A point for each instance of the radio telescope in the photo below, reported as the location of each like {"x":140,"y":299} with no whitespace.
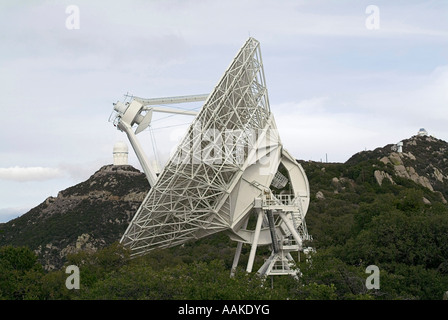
{"x":229,"y":173}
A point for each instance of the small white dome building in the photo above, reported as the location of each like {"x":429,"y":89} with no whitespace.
{"x":422,"y":132}
{"x":120,"y":153}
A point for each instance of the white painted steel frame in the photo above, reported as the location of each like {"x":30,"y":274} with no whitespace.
{"x":194,"y":197}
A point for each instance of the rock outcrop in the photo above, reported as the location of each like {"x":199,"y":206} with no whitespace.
{"x":423,"y":160}
{"x":87,"y":216}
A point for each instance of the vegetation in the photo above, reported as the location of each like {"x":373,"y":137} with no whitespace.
{"x":404,"y":237}
{"x":360,"y":223}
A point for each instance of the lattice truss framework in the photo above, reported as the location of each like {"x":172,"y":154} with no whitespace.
{"x":228,"y":157}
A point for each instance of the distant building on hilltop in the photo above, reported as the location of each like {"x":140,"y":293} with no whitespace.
{"x":120,"y":153}
{"x":398,"y":147}
{"x":422,"y":132}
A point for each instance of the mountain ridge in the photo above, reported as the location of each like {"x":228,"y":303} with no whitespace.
{"x":87,"y":216}
{"x":429,"y":169}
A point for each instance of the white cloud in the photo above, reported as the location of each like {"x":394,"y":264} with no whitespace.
{"x":393,"y":107}
{"x":30,"y":173}
{"x":421,"y":100}
{"x":310,"y":130}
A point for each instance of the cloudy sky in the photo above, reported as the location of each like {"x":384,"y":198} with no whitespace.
{"x":343,"y":76}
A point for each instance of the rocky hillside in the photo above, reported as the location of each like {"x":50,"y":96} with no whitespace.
{"x":423,"y":159}
{"x":87,"y":216}
{"x":346,"y":197}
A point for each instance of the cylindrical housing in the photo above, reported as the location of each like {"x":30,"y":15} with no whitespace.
{"x":120,"y":154}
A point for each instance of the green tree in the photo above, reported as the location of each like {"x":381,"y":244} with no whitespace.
{"x":195,"y":281}
{"x":20,"y":273}
{"x":341,"y":280}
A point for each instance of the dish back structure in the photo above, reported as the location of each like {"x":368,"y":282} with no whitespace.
{"x":223,"y":174}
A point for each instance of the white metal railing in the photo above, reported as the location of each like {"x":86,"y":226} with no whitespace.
{"x":288,"y":202}
{"x":269,"y":200}
{"x":280,"y":266}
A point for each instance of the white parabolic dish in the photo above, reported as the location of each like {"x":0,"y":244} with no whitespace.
{"x":221,"y":173}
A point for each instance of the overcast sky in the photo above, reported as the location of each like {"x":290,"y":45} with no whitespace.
{"x":342,"y":77}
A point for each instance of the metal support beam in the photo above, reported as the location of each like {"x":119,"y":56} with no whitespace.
{"x":147,"y":168}
{"x":250,"y":263}
{"x":172,"y":110}
{"x":236,"y":258}
{"x":291,"y":229}
{"x":172,"y":100}
{"x":272,"y":230}
{"x":239,"y":246}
